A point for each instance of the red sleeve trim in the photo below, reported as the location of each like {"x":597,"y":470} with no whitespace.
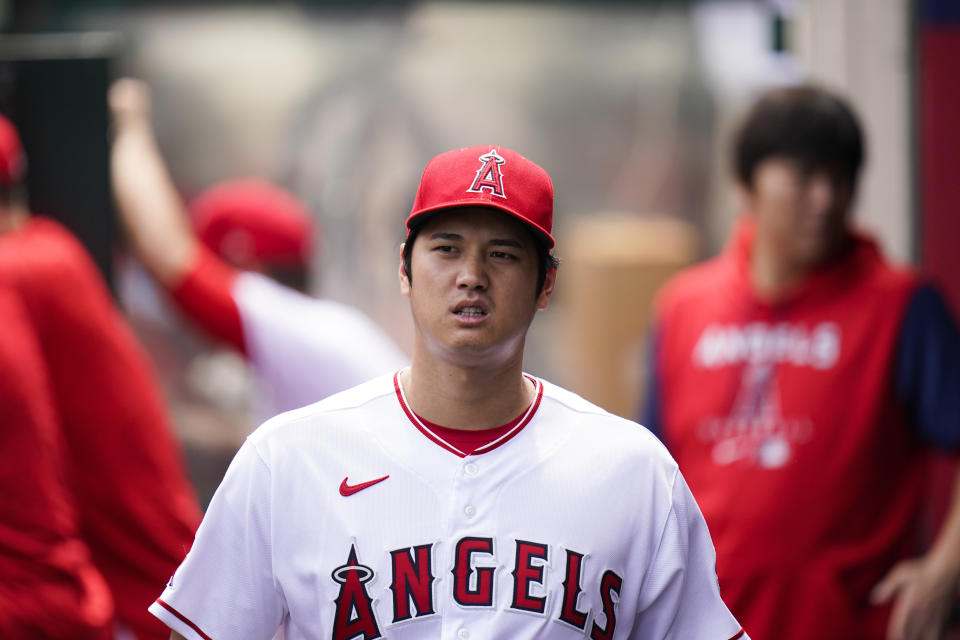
{"x":182,"y":618}
{"x":739,"y":635}
{"x":205,"y":294}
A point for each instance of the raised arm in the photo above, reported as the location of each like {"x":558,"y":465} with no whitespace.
{"x":157,"y":222}
{"x":147,"y":201}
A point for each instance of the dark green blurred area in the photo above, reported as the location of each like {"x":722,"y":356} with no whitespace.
{"x":39,"y":15}
{"x":54,"y":90}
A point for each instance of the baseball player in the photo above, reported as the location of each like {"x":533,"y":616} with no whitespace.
{"x":301,"y":348}
{"x":800,"y":380}
{"x":136,"y":508}
{"x":459,"y":497}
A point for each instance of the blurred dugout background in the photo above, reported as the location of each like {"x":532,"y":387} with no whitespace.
{"x":628,"y":105}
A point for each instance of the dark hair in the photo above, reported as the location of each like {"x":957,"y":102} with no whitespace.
{"x":545,"y":260}
{"x":808,"y":124}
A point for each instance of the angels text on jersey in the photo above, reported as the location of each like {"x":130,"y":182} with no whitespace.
{"x":414,"y":581}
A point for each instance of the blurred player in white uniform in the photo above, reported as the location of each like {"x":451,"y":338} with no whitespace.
{"x":215,"y":267}
{"x":459,"y":497}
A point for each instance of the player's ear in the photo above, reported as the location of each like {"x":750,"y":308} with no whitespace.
{"x":404,"y":280}
{"x":549,"y":282}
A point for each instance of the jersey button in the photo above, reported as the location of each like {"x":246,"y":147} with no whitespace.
{"x":470,"y":469}
{"x":471,"y":511}
{"x":463,"y":634}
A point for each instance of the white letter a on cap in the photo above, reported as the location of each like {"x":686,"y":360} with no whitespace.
{"x":489,"y":175}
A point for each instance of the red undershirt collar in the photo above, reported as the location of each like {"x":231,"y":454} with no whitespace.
{"x":470,"y":441}
{"x":462,"y":442}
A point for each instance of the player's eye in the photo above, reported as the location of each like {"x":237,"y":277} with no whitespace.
{"x":502,"y":255}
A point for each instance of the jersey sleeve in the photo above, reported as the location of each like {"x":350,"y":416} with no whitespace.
{"x":305,"y":349}
{"x":928,"y":369}
{"x":680,"y":598}
{"x":225,"y":587}
{"x":205,"y":294}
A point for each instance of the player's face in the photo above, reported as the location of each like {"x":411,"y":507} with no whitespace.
{"x":800,"y":214}
{"x":473,"y":287}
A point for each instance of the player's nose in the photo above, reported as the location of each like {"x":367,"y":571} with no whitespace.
{"x":473,"y":273}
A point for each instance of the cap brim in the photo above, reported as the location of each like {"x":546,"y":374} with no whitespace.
{"x":419,"y":218}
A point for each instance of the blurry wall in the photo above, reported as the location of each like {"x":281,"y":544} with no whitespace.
{"x":863,"y":48}
{"x":860,"y":48}
{"x":345,"y":107}
{"x":629,"y":106}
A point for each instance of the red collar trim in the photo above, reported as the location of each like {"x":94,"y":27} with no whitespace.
{"x":432,"y":435}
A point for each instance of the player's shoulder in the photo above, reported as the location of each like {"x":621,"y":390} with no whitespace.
{"x":331,"y":410}
{"x":576,"y":405}
{"x":344,"y":327}
{"x":876,"y":270}
{"x":596,"y":431}
{"x":260,"y":289}
{"x":255,"y":292}
{"x":46,"y":261}
{"x":42,"y":244}
{"x":570,"y":400}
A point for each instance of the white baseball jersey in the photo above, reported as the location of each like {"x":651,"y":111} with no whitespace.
{"x":351,"y":519}
{"x":304,"y":349}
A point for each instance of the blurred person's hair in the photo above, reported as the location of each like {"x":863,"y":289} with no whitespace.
{"x":545,"y":259}
{"x":807,"y":124}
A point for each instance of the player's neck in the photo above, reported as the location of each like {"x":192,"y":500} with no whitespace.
{"x":467,"y":397}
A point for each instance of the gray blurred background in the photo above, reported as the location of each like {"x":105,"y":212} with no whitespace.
{"x":628,"y":105}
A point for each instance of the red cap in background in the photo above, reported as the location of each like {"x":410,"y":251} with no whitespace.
{"x":12,"y":161}
{"x":251,"y":222}
{"x":487,"y":176}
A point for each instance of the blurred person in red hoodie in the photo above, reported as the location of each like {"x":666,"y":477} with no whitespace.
{"x":235,"y":262}
{"x":801,"y":381}
{"x":135,"y":508}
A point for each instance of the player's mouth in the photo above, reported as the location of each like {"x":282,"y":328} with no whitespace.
{"x":471,"y":312}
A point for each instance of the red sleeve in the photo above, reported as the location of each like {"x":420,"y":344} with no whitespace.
{"x":205,"y":294}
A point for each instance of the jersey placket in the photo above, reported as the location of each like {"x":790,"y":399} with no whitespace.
{"x":469,"y":567}
{"x":473,"y":550}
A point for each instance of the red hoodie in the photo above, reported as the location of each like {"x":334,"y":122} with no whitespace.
{"x":782,"y":418}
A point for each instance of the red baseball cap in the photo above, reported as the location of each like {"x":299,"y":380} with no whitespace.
{"x":12,"y":161}
{"x":487,"y":176}
{"x":251,"y":220}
